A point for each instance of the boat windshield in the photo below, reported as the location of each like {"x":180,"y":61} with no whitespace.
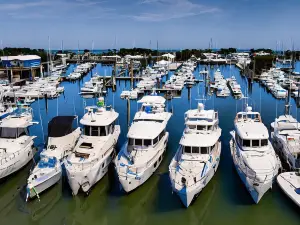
{"x":94,"y":131}
{"x":8,"y":132}
{"x":196,"y":150}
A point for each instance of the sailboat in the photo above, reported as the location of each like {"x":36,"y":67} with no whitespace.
{"x":197,"y":159}
{"x":253,"y":155}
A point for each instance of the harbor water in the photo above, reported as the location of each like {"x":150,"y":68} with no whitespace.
{"x":224,"y":201}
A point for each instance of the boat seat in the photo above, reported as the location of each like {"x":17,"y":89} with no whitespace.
{"x":297,"y":190}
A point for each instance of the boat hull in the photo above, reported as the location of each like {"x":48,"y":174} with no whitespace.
{"x":187,"y":195}
{"x":87,"y":178}
{"x":256,"y":190}
{"x":17,"y":163}
{"x":288,"y":188}
{"x":41,"y":187}
{"x":131,"y":181}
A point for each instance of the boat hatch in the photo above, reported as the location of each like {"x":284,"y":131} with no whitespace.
{"x":86,"y":145}
{"x":82,"y":155}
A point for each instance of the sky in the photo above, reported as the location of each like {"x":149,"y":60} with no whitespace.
{"x":174,"y":24}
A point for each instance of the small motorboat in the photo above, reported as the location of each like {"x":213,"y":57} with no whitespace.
{"x":289,"y":183}
{"x":61,"y":142}
{"x":45,"y":174}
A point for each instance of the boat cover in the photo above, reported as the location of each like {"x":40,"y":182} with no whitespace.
{"x":60,"y":126}
{"x":47,"y":163}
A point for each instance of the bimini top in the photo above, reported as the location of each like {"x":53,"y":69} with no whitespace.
{"x":153,"y":100}
{"x":252,"y":130}
{"x":60,"y":126}
{"x":99,"y":116}
{"x":145,"y":130}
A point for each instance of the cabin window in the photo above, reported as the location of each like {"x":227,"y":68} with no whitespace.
{"x":86,"y":130}
{"x":162,"y":134}
{"x":204,"y":150}
{"x":21,"y":132}
{"x":193,"y":127}
{"x":138,"y":142}
{"x":113,"y":127}
{"x":255,"y":143}
{"x":7,"y":132}
{"x":131,"y":141}
{"x":155,"y":140}
{"x":94,"y":131}
{"x":147,"y":142}
{"x":102,"y":131}
{"x":246,"y":143}
{"x":264,"y":142}
{"x":209,"y":127}
{"x":187,"y":149}
{"x":195,"y":150}
{"x":201,"y":127}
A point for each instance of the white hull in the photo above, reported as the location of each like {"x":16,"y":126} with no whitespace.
{"x":187,"y":195}
{"x":46,"y":184}
{"x":288,"y":184}
{"x":85,"y":179}
{"x":15,"y":164}
{"x":131,"y":181}
{"x":256,"y":189}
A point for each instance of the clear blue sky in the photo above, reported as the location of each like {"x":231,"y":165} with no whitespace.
{"x":174,"y":23}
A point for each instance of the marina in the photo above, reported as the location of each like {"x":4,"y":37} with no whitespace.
{"x":225,"y":193}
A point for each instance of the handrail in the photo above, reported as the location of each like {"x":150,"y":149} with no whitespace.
{"x":252,"y":175}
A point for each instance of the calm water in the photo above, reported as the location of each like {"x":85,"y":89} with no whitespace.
{"x":225,"y":199}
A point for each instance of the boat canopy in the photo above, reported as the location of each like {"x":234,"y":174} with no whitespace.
{"x":60,"y":126}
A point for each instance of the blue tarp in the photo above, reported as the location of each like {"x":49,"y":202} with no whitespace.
{"x":47,"y":163}
{"x":148,"y":109}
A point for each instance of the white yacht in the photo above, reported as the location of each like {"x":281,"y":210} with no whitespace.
{"x":253,"y":155}
{"x":74,"y":76}
{"x":234,"y":86}
{"x":16,"y":146}
{"x":61,"y":142}
{"x":141,"y":155}
{"x":132,"y":94}
{"x":95,"y":148}
{"x":279,"y":92}
{"x":286,"y":140}
{"x":289,"y":182}
{"x":198,"y":156}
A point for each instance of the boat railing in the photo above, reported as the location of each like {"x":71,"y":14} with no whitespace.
{"x":255,"y":177}
{"x":82,"y":165}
